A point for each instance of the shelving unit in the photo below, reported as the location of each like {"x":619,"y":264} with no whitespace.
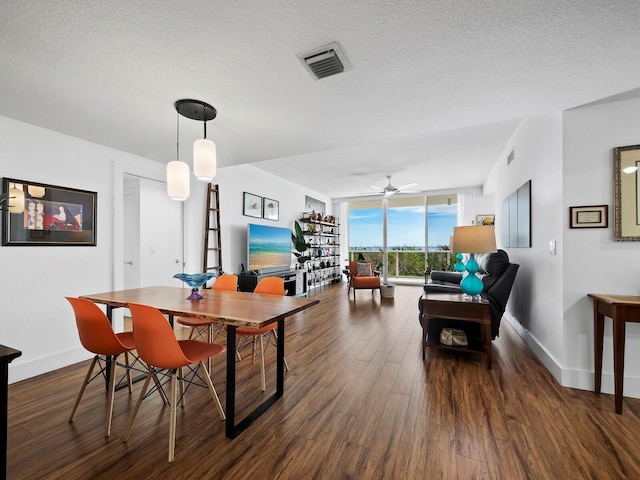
{"x":323,"y":235}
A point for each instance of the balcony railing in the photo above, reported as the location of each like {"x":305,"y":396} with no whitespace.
{"x":409,"y":264}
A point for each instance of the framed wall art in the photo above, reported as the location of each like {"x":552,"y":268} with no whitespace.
{"x":252,"y":205}
{"x":626,"y":201}
{"x":595,"y":216}
{"x":39,"y":214}
{"x":488,"y":219}
{"x":270,"y":209}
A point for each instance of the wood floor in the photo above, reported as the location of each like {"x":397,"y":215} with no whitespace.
{"x":359,"y":403}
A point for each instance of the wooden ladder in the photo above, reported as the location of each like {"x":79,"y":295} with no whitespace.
{"x":212,"y":258}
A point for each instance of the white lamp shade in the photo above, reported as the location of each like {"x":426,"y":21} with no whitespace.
{"x":178,"y":180}
{"x":474,"y":239}
{"x":35,"y":191}
{"x":204,"y":159}
{"x":16,"y":200}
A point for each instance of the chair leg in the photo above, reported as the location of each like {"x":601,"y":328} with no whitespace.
{"x":112,"y":391}
{"x":264,"y":382}
{"x":181,"y":380}
{"x":172,"y":421}
{"x":139,"y":402}
{"x":286,"y":365}
{"x":213,"y":392}
{"x":84,"y":385}
{"x":129,"y":382}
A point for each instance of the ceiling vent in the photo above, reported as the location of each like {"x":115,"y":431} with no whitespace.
{"x":325,"y":61}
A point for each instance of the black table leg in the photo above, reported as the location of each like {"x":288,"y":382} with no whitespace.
{"x":6,"y":357}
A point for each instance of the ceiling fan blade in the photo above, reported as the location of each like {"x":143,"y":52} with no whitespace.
{"x":408,"y":185}
{"x":375,"y":188}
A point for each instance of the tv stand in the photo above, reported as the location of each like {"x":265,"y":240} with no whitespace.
{"x":295,"y":283}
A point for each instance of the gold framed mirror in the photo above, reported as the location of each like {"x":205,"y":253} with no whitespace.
{"x":626,"y":184}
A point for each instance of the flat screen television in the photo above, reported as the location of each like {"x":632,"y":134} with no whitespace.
{"x":268,"y":248}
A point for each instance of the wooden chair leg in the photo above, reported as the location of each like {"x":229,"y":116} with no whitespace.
{"x":111,"y":394}
{"x":213,"y":392}
{"x":173,"y":416}
{"x":139,"y":402}
{"x":264,"y":382}
{"x":84,"y":385}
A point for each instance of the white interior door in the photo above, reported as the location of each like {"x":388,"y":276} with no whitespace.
{"x":152,"y":234}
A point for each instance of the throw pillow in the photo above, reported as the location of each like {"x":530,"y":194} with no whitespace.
{"x":364,"y":270}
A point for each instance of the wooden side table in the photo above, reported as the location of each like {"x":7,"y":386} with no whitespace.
{"x":454,"y":306}
{"x":7,"y":355}
{"x":621,"y":309}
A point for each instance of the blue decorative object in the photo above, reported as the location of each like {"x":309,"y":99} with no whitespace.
{"x":471,"y":284}
{"x":195,"y":281}
{"x":459,"y":266}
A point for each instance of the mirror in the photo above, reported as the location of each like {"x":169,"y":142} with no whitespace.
{"x":626,"y":185}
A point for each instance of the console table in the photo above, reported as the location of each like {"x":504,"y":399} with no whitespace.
{"x":7,"y":355}
{"x":621,"y":309}
{"x":456,"y":306}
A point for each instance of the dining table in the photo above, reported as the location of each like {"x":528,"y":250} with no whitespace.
{"x":234,"y":309}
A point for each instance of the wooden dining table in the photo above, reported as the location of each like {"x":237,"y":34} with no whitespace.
{"x":234,"y":309}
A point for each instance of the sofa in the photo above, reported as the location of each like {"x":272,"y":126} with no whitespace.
{"x":498,"y":275}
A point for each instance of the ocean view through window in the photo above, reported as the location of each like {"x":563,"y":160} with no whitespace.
{"x":406,"y":232}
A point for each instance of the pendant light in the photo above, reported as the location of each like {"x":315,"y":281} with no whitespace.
{"x":204,"y":150}
{"x":178,"y":172}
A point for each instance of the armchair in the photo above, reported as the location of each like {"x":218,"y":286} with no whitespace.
{"x":362,"y":276}
{"x":498,"y":275}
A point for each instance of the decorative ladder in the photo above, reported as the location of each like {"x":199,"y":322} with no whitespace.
{"x":212,"y":258}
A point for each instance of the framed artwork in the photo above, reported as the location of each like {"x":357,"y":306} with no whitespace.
{"x":39,"y":214}
{"x":311,"y":205}
{"x":595,"y":216}
{"x":252,"y":206}
{"x":485,"y":219}
{"x":270,"y":209}
{"x":626,"y":201}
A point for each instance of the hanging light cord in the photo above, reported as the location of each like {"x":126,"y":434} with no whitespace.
{"x":177,"y":135}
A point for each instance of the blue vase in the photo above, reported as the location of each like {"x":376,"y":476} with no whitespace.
{"x":471,"y":284}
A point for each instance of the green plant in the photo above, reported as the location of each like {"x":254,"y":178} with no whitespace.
{"x":299,"y":244}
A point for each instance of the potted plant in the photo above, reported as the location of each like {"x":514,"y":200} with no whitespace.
{"x":300,"y":245}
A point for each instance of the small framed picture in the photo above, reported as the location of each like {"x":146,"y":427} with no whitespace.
{"x":252,"y":206}
{"x":270,"y":209}
{"x":593,"y":216}
{"x":488,"y":219}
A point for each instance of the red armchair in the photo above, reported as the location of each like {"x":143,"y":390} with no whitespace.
{"x":362,"y":276}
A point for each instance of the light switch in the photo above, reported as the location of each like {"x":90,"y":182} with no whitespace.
{"x":552,"y":247}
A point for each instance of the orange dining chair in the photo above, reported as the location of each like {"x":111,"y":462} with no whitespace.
{"x":98,"y":337}
{"x":200,"y":327}
{"x":268,"y":286}
{"x":159,"y":349}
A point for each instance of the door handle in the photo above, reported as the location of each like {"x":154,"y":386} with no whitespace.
{"x":130,"y":262}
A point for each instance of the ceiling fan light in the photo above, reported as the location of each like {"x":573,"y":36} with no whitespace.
{"x":178,"y":180}
{"x":204,"y":159}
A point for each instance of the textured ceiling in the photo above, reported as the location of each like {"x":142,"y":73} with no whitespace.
{"x":431,"y":83}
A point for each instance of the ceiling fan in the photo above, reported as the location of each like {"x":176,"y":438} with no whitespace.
{"x":390,"y":189}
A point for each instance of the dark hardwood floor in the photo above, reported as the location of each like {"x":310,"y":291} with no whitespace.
{"x":359,"y":403}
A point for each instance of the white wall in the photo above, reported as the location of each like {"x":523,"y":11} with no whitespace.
{"x":36,"y":318}
{"x":593,"y":261}
{"x":568,"y":157}
{"x":536,"y":299}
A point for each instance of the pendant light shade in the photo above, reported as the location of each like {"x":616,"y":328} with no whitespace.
{"x":178,"y":180}
{"x":36,"y":191}
{"x":204,"y":159}
{"x":16,"y":200}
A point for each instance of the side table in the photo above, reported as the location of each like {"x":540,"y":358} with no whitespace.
{"x":7,"y":355}
{"x":454,"y":306}
{"x":621,"y":309}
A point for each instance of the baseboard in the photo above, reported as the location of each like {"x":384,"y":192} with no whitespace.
{"x":572,"y":377}
{"x":23,"y":370}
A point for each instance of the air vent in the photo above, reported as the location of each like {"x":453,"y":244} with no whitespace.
{"x":325,"y":61}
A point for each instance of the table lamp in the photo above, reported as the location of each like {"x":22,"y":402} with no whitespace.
{"x":472,"y":240}
{"x":459,"y":266}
